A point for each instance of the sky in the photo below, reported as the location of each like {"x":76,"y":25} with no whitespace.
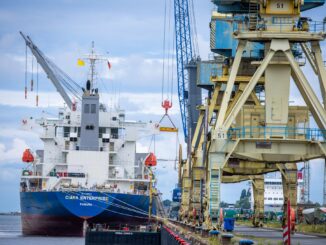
{"x":131,"y":34}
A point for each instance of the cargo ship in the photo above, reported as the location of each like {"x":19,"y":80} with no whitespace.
{"x":89,"y":171}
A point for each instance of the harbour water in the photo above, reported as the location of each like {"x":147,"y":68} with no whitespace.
{"x":11,"y":234}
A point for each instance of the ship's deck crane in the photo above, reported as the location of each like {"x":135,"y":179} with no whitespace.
{"x":67,"y":88}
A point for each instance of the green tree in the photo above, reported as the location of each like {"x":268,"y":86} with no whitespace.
{"x":243,"y":194}
{"x":244,"y":202}
{"x":224,"y":204}
{"x":248,"y":193}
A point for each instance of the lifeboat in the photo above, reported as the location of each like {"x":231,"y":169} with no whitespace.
{"x":150,"y":160}
{"x":27,"y":156}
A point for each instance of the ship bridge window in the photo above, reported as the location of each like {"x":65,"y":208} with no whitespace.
{"x":86,"y":108}
{"x":66,"y":131}
{"x":93,"y":108}
{"x":73,"y":139}
{"x":89,"y":127}
{"x":115,"y":133}
{"x":102,"y":130}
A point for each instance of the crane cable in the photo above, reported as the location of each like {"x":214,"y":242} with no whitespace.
{"x":32,"y":74}
{"x":169,"y":57}
{"x":26,"y":72}
{"x":167,"y":64}
{"x":150,"y":144}
{"x":37,"y":84}
{"x":163,"y":63}
{"x":193,"y":28}
{"x":167,"y":72}
{"x":168,"y":53}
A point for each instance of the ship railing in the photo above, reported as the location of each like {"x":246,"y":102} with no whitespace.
{"x":102,"y":189}
{"x":55,"y":183}
{"x":54,"y":163}
{"x":267,"y":132}
{"x":116,"y":174}
{"x":55,"y":171}
{"x":31,"y":189}
{"x":47,"y":135}
{"x":46,"y":121}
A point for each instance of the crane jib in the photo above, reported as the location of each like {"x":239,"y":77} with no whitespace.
{"x":66,"y":87}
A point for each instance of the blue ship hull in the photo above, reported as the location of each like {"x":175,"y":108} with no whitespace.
{"x":61,"y":213}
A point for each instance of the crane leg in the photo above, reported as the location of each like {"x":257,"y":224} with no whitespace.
{"x":289,"y":181}
{"x":258,"y":190}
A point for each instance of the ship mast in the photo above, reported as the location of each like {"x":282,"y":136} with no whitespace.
{"x":93,"y":57}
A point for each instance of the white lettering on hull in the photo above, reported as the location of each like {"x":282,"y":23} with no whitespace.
{"x":87,"y":198}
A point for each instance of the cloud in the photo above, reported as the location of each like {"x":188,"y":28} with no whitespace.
{"x":133,"y":103}
{"x":9,"y":174}
{"x":133,"y":72}
{"x":14,"y":98}
{"x":14,"y":152}
{"x":316,"y":180}
{"x":14,"y":133}
{"x":204,"y":47}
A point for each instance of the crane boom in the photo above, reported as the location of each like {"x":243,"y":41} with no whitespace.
{"x":184,"y":55}
{"x":55,"y":74}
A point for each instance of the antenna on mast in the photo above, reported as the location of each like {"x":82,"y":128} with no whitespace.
{"x":92,"y":58}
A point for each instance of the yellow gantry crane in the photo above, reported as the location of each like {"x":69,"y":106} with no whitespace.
{"x":246,"y":128}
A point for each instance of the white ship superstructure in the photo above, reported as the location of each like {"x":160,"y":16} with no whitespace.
{"x":273,"y":194}
{"x":113,"y":165}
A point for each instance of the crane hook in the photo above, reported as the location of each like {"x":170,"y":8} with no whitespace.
{"x":166,"y":104}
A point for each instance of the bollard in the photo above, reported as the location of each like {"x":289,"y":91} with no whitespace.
{"x":246,"y":242}
{"x":214,"y":233}
{"x":226,"y":239}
